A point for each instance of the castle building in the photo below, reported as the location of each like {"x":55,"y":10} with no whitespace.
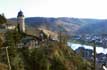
{"x":20,"y":21}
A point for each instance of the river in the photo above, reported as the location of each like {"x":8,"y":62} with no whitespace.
{"x":74,"y":46}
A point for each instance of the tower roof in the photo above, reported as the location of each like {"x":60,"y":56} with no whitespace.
{"x":20,"y":14}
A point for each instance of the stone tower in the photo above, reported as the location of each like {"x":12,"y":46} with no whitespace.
{"x":20,"y":21}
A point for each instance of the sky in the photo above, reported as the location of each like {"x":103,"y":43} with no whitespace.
{"x":55,"y":8}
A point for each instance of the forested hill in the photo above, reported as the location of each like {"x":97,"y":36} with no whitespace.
{"x":47,"y":55}
{"x":54,"y":57}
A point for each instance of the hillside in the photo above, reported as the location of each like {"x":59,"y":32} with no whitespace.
{"x":70,"y":25}
{"x":3,"y":67}
{"x":53,"y":57}
{"x":96,"y":28}
{"x":47,"y":55}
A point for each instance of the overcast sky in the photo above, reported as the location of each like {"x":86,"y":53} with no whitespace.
{"x":55,"y":8}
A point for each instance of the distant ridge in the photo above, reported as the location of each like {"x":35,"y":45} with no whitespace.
{"x":71,"y":25}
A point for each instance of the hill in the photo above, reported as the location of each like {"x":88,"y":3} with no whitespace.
{"x":70,"y":25}
{"x":94,"y":28}
{"x":55,"y":56}
{"x":48,"y":55}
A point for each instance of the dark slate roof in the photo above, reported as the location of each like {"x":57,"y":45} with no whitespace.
{"x":20,"y":14}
